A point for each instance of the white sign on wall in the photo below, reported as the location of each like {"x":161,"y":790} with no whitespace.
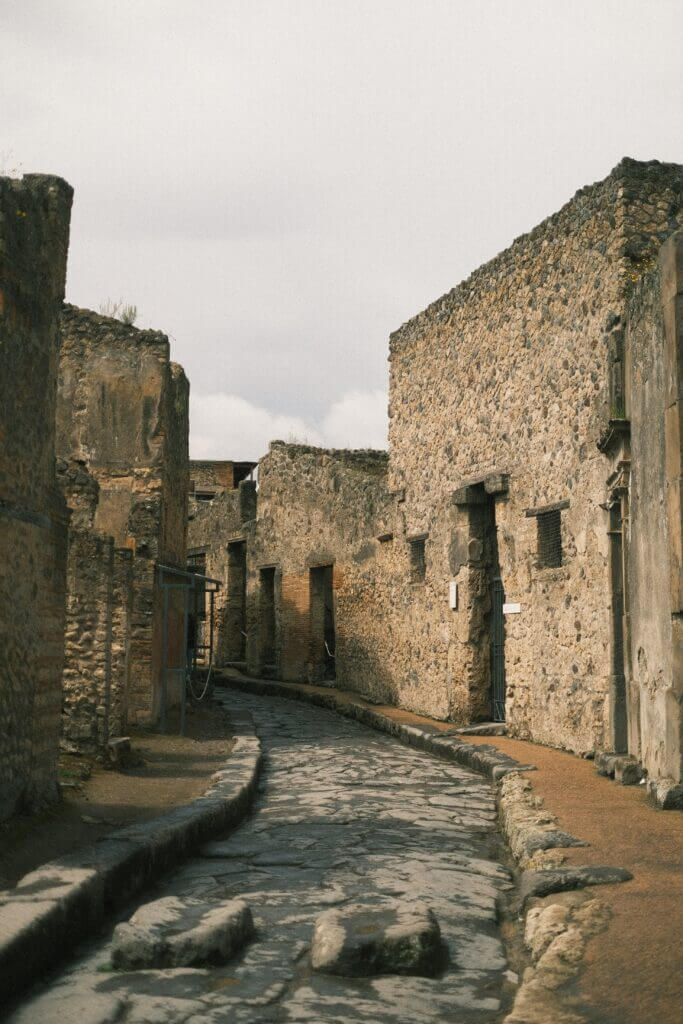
{"x":511,"y":608}
{"x":453,"y":595}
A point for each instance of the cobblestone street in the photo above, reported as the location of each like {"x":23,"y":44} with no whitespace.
{"x":344,"y":817}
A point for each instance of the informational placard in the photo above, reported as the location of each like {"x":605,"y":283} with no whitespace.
{"x":511,"y":608}
{"x":453,"y":595}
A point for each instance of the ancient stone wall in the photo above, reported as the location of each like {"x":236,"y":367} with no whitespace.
{"x":504,"y":382}
{"x":123,"y":412}
{"x":213,"y":476}
{"x":653,"y":586}
{"x":320,"y":514}
{"x":34,"y":235}
{"x":215,"y":524}
{"x":97,"y":636}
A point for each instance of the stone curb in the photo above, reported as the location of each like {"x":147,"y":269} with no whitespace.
{"x":480,"y":758}
{"x":56,"y":906}
{"x":555,"y":934}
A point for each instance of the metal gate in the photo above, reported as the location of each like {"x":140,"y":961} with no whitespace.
{"x":497,"y":651}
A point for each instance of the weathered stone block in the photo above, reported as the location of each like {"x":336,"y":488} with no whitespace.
{"x":665,"y":794}
{"x":171,"y":932}
{"x":359,"y":942}
{"x":628,"y":772}
{"x":542,"y":883}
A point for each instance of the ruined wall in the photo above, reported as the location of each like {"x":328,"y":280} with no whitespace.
{"x":218,"y":475}
{"x":213,"y":526}
{"x":97,"y":631}
{"x":654,"y":590}
{"x":319,"y":508}
{"x":34,"y":235}
{"x":508,"y":374}
{"x":123,"y":411}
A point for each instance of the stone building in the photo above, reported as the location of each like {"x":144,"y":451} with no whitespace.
{"x":222,"y":499}
{"x":122,"y":415}
{"x":318,"y":571}
{"x":518,"y":554}
{"x":34,"y":235}
{"x":522,"y":385}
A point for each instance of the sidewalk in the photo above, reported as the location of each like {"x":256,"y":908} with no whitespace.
{"x":632,"y":971}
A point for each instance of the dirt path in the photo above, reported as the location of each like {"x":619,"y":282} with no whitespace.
{"x":170,"y":770}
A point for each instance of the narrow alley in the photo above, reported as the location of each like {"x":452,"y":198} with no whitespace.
{"x":345,"y":819}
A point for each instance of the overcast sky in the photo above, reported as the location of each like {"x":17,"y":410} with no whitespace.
{"x":278,"y":184}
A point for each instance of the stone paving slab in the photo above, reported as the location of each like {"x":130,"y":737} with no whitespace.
{"x":422,"y":734}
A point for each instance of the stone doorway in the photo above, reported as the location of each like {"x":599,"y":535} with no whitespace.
{"x":323,"y":636}
{"x":236,"y":603}
{"x":475,"y":559}
{"x":267,"y":642}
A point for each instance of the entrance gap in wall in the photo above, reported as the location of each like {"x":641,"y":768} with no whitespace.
{"x":619,"y":702}
{"x":323,"y":640}
{"x":236,"y":604}
{"x":497,"y":621}
{"x":267,"y":617}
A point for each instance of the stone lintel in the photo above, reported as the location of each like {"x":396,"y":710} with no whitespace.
{"x":530,"y":513}
{"x":476,"y":492}
{"x":497,"y":483}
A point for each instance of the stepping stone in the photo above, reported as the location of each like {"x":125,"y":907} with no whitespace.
{"x":171,"y":932}
{"x":358,"y":941}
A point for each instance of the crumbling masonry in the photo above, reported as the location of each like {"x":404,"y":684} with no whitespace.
{"x":122,"y":423}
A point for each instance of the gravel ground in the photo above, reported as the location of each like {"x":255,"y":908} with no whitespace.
{"x":168,"y":770}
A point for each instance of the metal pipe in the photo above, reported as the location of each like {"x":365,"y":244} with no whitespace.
{"x":188,"y":575}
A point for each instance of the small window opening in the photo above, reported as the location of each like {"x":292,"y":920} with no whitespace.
{"x":549,"y":539}
{"x":418,"y":561}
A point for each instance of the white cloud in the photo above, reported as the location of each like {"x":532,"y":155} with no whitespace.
{"x":358,"y":420}
{"x":224,"y":426}
{"x":228,"y":427}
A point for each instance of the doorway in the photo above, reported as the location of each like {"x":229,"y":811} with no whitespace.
{"x":323,"y":636}
{"x":267,"y":617}
{"x":496,"y":620}
{"x":487,"y":684}
{"x":236,"y":603}
{"x":618,"y":695}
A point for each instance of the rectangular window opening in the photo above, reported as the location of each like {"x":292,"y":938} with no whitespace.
{"x":549,"y":539}
{"x":418,"y":561}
